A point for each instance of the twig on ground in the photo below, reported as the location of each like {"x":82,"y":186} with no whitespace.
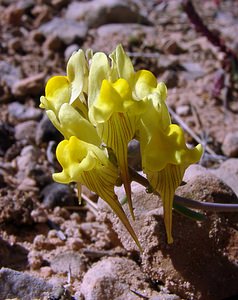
{"x":139,"y":294}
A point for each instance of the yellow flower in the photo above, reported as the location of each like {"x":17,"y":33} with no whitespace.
{"x":102,"y":100}
{"x":115,"y":115}
{"x":68,"y":119}
{"x":165,"y":158}
{"x":87,"y":164}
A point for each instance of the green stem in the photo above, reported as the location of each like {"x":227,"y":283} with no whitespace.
{"x":208,"y":206}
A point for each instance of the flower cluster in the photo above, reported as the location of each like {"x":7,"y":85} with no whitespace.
{"x":99,"y":107}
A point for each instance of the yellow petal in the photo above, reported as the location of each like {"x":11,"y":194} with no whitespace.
{"x":76,"y":125}
{"x":168,"y":147}
{"x":164,"y":159}
{"x":77,"y":72}
{"x":87,"y":164}
{"x":99,"y":70}
{"x":144,"y":84}
{"x":116,"y":134}
{"x":100,"y":184}
{"x":165,"y":183}
{"x":57,"y":92}
{"x":121,"y":65}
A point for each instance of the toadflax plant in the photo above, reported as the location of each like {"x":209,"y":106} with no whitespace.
{"x":99,"y":107}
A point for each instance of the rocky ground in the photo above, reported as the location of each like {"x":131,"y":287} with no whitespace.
{"x":52,"y":248}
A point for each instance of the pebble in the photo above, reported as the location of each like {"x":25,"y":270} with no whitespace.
{"x":61,"y":212}
{"x":35,"y":260}
{"x":194,"y":70}
{"x":193,"y":171}
{"x":22,"y":112}
{"x":75,"y":243}
{"x":228,"y":172}
{"x":6,"y":137}
{"x":39,"y":241}
{"x":9,"y":74}
{"x":32,"y":85}
{"x":26,"y":131}
{"x":170,"y":78}
{"x":183,"y":110}
{"x":230,"y":144}
{"x":21,"y":285}
{"x":67,"y":30}
{"x":39,"y":215}
{"x":101,"y":12}
{"x":57,"y":194}
{"x":115,"y":278}
{"x":69,"y":261}
{"x":46,"y":271}
{"x":52,"y":43}
{"x":27,"y":184}
{"x":45,"y":131}
{"x":70,"y":50}
{"x":26,"y":161}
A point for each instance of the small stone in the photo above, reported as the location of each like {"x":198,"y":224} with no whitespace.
{"x":170,"y":78}
{"x":39,"y":215}
{"x":13,"y":15}
{"x":26,"y":131}
{"x":230,"y":144}
{"x":70,"y":50}
{"x":53,"y":43}
{"x":114,"y":278}
{"x":57,"y":194}
{"x":15,"y":207}
{"x":21,"y":285}
{"x":183,"y":110}
{"x":23,"y":113}
{"x":26,"y":161}
{"x":75,"y":243}
{"x":60,"y":293}
{"x":52,"y":234}
{"x":32,"y":85}
{"x":39,"y":241}
{"x":99,"y":12}
{"x":27,"y":184}
{"x":228,"y":172}
{"x":6,"y":137}
{"x":46,"y":271}
{"x":46,"y":131}
{"x":75,"y":217}
{"x":69,"y":261}
{"x":68,"y":31}
{"x":61,"y":212}
{"x":194,"y":70}
{"x":35,"y":260}
{"x":15,"y":45}
{"x":9,"y":74}
{"x":193,"y":171}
